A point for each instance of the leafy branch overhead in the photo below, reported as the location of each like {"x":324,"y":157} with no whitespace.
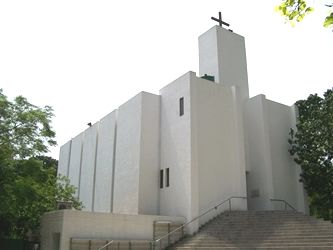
{"x":296,"y":10}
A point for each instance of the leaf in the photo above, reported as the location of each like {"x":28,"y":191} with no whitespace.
{"x":292,"y":15}
{"x":302,"y":6}
{"x":300,"y":18}
{"x":309,"y":9}
{"x":328,"y":20}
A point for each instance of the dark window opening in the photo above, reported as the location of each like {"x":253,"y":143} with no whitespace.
{"x":161,"y":178}
{"x":181,"y":106}
{"x":167,"y":184}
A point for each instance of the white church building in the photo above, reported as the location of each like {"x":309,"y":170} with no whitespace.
{"x":174,"y":155}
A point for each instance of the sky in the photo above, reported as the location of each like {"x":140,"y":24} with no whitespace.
{"x":86,"y":58}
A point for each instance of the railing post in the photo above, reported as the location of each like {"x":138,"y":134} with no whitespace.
{"x":129,"y":245}
{"x":154,"y":230}
{"x":169,"y":234}
{"x":70,"y":244}
{"x":187,"y":223}
{"x":89,"y":242}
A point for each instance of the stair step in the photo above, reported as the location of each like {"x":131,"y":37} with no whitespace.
{"x":261,"y":229}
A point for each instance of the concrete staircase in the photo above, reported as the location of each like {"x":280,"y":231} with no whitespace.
{"x":261,"y":230}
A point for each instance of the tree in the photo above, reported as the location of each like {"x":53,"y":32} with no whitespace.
{"x":312,"y":148}
{"x":25,"y":129}
{"x":296,"y":10}
{"x":29,"y":185}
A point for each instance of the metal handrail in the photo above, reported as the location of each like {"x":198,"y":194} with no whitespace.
{"x":107,"y":244}
{"x":198,"y":217}
{"x":285,"y":204}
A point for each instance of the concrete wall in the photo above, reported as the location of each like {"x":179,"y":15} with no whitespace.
{"x":222,"y":54}
{"x":64,"y":158}
{"x":179,"y":198}
{"x":149,"y":155}
{"x":273,"y":173}
{"x":260,"y":178}
{"x":79,"y":224}
{"x":51,"y":224}
{"x":127,"y":167}
{"x":105,"y":163}
{"x":137,"y":156}
{"x":216,"y":147}
{"x":87,"y":176}
{"x":75,"y":161}
{"x":283,"y":169}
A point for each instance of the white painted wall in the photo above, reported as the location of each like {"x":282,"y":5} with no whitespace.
{"x":222,"y":54}
{"x":260,"y":178}
{"x":64,"y":158}
{"x":137,"y":156}
{"x":283,"y":170}
{"x":127,"y":167}
{"x":179,"y":198}
{"x":149,"y":154}
{"x":215,"y":141}
{"x":75,"y":161}
{"x":104,"y":163}
{"x":51,"y":223}
{"x":87,"y":176}
{"x":272,"y":169}
{"x":71,"y":223}
{"x":240,"y":139}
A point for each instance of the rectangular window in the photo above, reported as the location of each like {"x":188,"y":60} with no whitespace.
{"x":181,"y":106}
{"x":167,"y":184}
{"x":161,"y":178}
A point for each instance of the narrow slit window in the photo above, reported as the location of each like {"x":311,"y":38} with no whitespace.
{"x":161,"y":178}
{"x":167,"y":183}
{"x":181,"y":106}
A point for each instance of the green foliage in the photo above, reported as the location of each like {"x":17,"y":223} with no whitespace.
{"x":25,"y":129}
{"x":328,"y":20}
{"x":29,"y":185}
{"x":296,"y":10}
{"x":312,"y":148}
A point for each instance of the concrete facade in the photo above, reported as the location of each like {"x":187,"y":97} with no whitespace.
{"x":222,"y":55}
{"x":103,"y":195}
{"x":87,"y":176}
{"x":137,"y":156}
{"x":194,"y":145}
{"x":74,"y":167}
{"x":67,"y":224}
{"x":272,"y":172}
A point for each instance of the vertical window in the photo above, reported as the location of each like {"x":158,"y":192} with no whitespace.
{"x":181,"y":106}
{"x":167,"y":184}
{"x":161,"y":178}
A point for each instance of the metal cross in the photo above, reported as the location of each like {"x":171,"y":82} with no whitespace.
{"x":220,"y":20}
